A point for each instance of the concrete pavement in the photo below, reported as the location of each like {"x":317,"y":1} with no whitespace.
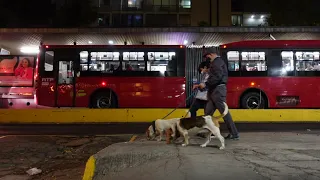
{"x":59,"y":157}
{"x":255,"y":156}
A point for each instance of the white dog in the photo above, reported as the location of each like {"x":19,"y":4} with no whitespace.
{"x":185,"y":124}
{"x":160,"y":126}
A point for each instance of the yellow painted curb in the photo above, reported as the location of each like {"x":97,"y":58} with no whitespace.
{"x":133,"y":138}
{"x":82,"y":115}
{"x":90,"y":168}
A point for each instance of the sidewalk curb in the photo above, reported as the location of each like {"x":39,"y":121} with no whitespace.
{"x":89,"y":169}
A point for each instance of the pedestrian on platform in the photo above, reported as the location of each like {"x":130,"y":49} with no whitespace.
{"x":217,"y":90}
{"x":200,"y":99}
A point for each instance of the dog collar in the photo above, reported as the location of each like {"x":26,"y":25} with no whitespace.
{"x":154,"y":126}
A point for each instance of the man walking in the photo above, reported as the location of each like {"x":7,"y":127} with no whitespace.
{"x":217,"y":90}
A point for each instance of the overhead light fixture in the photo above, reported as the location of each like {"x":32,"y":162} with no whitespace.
{"x":30,"y":49}
{"x":262,"y":16}
{"x":110,"y":42}
{"x":90,"y":42}
{"x":185,"y":42}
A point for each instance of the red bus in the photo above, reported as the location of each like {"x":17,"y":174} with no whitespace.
{"x":273,"y":73}
{"x":17,"y":81}
{"x":125,"y":76}
{"x":262,"y":74}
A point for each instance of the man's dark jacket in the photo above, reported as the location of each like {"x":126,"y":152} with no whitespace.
{"x":218,"y":74}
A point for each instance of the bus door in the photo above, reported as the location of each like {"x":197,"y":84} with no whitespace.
{"x":67,"y":67}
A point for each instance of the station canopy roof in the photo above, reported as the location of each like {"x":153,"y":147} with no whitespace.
{"x":14,"y":39}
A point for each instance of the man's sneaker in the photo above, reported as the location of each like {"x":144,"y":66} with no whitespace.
{"x":232,"y":137}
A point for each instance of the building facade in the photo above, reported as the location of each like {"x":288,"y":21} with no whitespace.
{"x":172,"y":13}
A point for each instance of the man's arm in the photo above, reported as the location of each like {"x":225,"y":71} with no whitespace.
{"x":215,"y":73}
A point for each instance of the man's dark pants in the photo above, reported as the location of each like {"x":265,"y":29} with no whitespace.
{"x":215,"y":101}
{"x":197,"y":104}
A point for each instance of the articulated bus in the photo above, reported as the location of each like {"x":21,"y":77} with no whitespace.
{"x":262,"y":74}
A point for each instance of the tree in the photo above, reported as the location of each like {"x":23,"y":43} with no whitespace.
{"x":294,"y":12}
{"x":75,"y":13}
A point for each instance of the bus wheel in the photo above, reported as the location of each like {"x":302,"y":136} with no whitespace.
{"x":103,"y":100}
{"x":253,"y":100}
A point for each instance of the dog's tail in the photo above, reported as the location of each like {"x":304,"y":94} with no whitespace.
{"x":225,"y":112}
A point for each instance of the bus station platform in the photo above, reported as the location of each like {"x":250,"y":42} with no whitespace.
{"x":264,"y":155}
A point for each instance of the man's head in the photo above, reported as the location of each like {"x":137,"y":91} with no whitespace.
{"x":211,"y":53}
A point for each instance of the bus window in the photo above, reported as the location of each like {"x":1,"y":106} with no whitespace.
{"x":253,"y":61}
{"x":287,"y":61}
{"x":233,"y":60}
{"x":133,"y":61}
{"x":307,"y":61}
{"x":49,"y":56}
{"x":106,"y":62}
{"x":65,"y":72}
{"x":84,"y":60}
{"x":163,"y":62}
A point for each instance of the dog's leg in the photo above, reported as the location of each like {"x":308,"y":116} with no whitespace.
{"x":160,"y":136}
{"x":186,"y":138}
{"x":168,"y":133}
{"x":184,"y":133}
{"x":173,"y":128}
{"x":207,"y":142}
{"x":216,"y":132}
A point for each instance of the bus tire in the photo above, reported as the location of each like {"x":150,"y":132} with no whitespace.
{"x":251,"y":100}
{"x":101,"y":100}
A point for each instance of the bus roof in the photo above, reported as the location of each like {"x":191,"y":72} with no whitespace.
{"x":112,"y":46}
{"x":274,"y":44}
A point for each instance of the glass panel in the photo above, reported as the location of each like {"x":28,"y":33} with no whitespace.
{"x":106,"y":62}
{"x":133,"y":56}
{"x":162,"y":62}
{"x":233,"y":60}
{"x":253,"y":61}
{"x":158,"y":56}
{"x":84,"y":60}
{"x":65,"y":72}
{"x":307,"y":61}
{"x":105,"y":56}
{"x":48,"y":65}
{"x":287,"y":61}
{"x":133,"y":66}
{"x":185,"y":3}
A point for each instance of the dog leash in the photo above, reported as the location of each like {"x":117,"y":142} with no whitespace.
{"x":194,"y":100}
{"x":193,"y":94}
